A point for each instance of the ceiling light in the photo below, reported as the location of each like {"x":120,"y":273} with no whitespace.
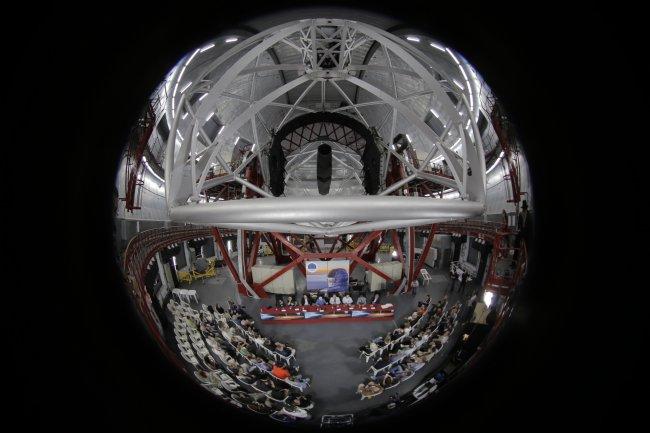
{"x":236,"y":140}
{"x":253,"y":148}
{"x":487,"y":298}
{"x":221,"y":129}
{"x":206,"y":48}
{"x":434,"y":113}
{"x":408,"y":138}
{"x":184,"y":116}
{"x":209,"y":116}
{"x":436,"y":46}
{"x":229,"y":40}
{"x":202,"y":97}
{"x":413,"y":38}
{"x":460,"y":86}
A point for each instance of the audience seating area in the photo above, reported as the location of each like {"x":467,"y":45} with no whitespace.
{"x":398,"y":355}
{"x":232,"y":360}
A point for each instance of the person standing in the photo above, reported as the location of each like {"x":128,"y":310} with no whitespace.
{"x":453,"y":276}
{"x":463,"y":282}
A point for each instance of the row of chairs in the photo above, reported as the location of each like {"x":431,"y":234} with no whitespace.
{"x":185,"y":295}
{"x":213,"y":380}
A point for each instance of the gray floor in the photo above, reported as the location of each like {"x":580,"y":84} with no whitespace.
{"x":328,"y":352}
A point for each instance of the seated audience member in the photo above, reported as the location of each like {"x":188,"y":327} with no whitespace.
{"x":259,"y":340}
{"x":290,"y":302}
{"x":301,"y":401}
{"x":262,"y":365}
{"x":210,"y":362}
{"x":280,"y":371}
{"x":335,"y":300}
{"x":320,"y":300}
{"x":232,"y":364}
{"x":279,"y":393}
{"x":279,"y":303}
{"x":263,"y":384}
{"x":388,"y":381}
{"x":219,"y":309}
{"x":370,"y":389}
{"x":375,"y":298}
{"x":305,"y":299}
{"x":426,"y":301}
{"x":366,"y":349}
{"x":347,"y":299}
{"x":361,"y":300}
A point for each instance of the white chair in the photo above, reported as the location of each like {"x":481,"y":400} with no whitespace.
{"x":192,"y":293}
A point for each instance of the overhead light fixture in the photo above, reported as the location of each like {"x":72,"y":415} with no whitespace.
{"x":184,"y":88}
{"x":487,"y":298}
{"x":408,"y":138}
{"x":434,"y":113}
{"x":229,"y":40}
{"x":394,"y":253}
{"x":460,"y":86}
{"x":236,"y":140}
{"x":184,"y":116}
{"x":253,"y":148}
{"x":209,"y":116}
{"x":413,"y":38}
{"x":206,"y":48}
{"x":437,"y":47}
{"x":203,"y":96}
{"x":221,"y":129}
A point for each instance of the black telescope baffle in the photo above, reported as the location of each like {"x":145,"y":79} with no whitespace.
{"x":324,"y":168}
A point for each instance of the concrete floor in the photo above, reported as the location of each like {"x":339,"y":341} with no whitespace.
{"x":328,"y":352}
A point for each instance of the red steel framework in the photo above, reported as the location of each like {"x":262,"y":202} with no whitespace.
{"x":138,"y":141}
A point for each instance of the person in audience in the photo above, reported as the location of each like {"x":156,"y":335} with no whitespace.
{"x":388,"y":381}
{"x":426,"y":302}
{"x":290,"y":302}
{"x":335,"y":300}
{"x":259,"y":340}
{"x":262,"y":365}
{"x":305,"y":299}
{"x":370,"y":389}
{"x":375,"y":298}
{"x":232,"y":307}
{"x":243,"y":349}
{"x":280,"y":371}
{"x":320,"y":300}
{"x":210,"y":362}
{"x":347,"y":299}
{"x":361,"y":300}
{"x":301,"y":401}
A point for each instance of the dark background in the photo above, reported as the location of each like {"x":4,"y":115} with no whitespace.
{"x":567,"y":357}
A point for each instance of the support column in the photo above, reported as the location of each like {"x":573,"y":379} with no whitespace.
{"x":410,"y":258}
{"x":241,"y":289}
{"x":188,"y":255}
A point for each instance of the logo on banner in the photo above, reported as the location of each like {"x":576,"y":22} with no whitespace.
{"x":311,"y":267}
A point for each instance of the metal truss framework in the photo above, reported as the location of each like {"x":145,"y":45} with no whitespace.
{"x":326,"y":46}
